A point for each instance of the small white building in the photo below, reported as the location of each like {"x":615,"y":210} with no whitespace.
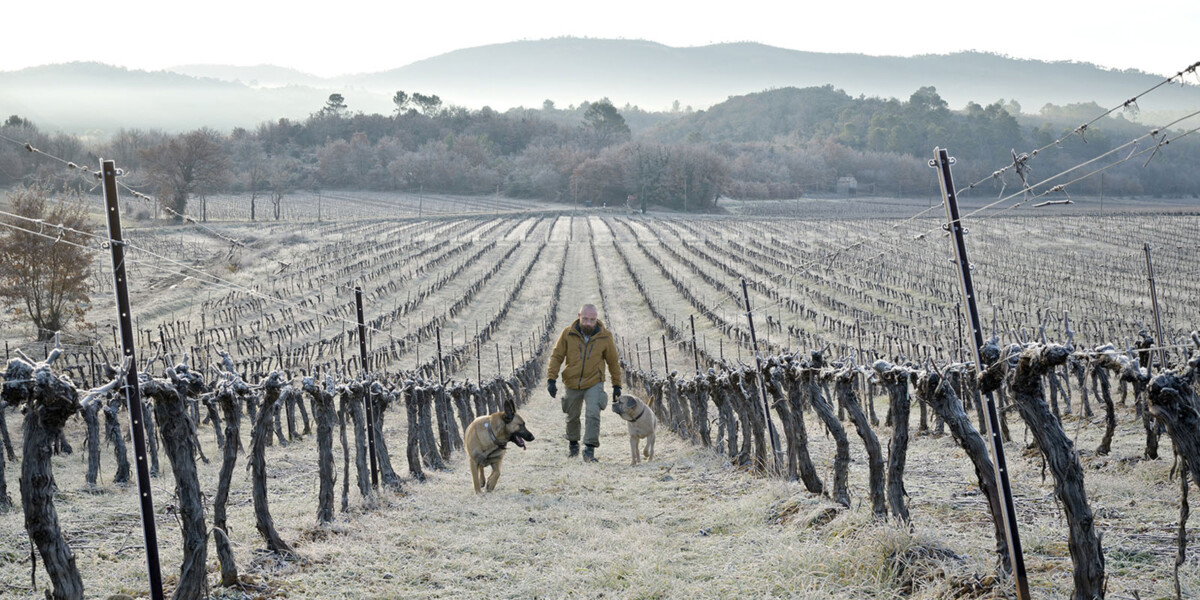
{"x":847,"y":186}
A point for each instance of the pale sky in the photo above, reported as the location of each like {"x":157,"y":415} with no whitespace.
{"x":333,"y":38}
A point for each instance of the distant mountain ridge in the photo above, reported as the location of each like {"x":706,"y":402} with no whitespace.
{"x":255,"y":76}
{"x":91,"y":97}
{"x":653,"y":76}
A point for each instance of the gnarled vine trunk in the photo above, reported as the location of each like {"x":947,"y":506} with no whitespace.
{"x":8,"y":447}
{"x":844,"y":386}
{"x":326,"y":416}
{"x":355,"y":408}
{"x":170,"y":410}
{"x":1100,"y":387}
{"x":799,"y":454}
{"x":414,"y":437}
{"x":1173,"y":401}
{"x":91,"y":418}
{"x":841,"y":456}
{"x":258,"y":465}
{"x":780,"y":402}
{"x":387,"y":475}
{"x":895,"y":382}
{"x":227,"y":400}
{"x":50,"y":401}
{"x":943,"y":400}
{"x":151,"y":438}
{"x":112,"y":429}
{"x":700,"y":412}
{"x":343,"y":419}
{"x":726,"y":421}
{"x":429,"y":448}
{"x":1025,"y":389}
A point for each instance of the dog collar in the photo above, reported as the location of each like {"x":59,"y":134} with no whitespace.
{"x":488,"y":426}
{"x":634,"y":420}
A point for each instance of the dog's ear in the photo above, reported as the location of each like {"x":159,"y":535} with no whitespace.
{"x":510,"y":410}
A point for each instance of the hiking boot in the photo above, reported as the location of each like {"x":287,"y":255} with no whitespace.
{"x":589,"y":454}
{"x":573,"y":450}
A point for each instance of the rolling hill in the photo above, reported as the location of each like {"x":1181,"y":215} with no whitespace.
{"x":93,"y":98}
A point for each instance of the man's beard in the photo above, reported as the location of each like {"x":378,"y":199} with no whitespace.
{"x":588,"y":330}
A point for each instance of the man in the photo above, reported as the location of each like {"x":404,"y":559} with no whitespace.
{"x":581,"y":352}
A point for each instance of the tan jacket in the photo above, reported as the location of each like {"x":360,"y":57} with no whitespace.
{"x":583,"y":363}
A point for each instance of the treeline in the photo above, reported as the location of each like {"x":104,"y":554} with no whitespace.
{"x":781,"y":143}
{"x":784,"y":142}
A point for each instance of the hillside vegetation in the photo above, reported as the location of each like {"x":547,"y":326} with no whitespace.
{"x":783,"y":143}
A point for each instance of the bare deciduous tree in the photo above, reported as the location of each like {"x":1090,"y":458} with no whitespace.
{"x":283,"y":173}
{"x":43,"y":260}
{"x":252,"y":166}
{"x":193,"y":163}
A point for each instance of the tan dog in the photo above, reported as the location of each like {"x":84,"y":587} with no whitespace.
{"x":641,"y":422}
{"x":486,"y":439}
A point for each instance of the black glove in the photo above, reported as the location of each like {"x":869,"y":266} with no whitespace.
{"x":552,"y":387}
{"x":616,"y":393}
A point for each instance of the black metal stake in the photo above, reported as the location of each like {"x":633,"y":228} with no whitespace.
{"x":367,"y":398}
{"x":441,"y":371}
{"x":1162,"y":352}
{"x":762,"y":386}
{"x":133,"y":397}
{"x":958,"y":313}
{"x":942,"y":162}
{"x":695,"y":349}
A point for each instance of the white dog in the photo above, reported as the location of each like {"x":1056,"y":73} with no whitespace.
{"x":641,"y":422}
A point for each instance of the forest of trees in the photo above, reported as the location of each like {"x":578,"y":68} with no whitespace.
{"x":782,"y":143}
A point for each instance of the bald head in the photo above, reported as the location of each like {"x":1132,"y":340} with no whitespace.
{"x":588,"y":316}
